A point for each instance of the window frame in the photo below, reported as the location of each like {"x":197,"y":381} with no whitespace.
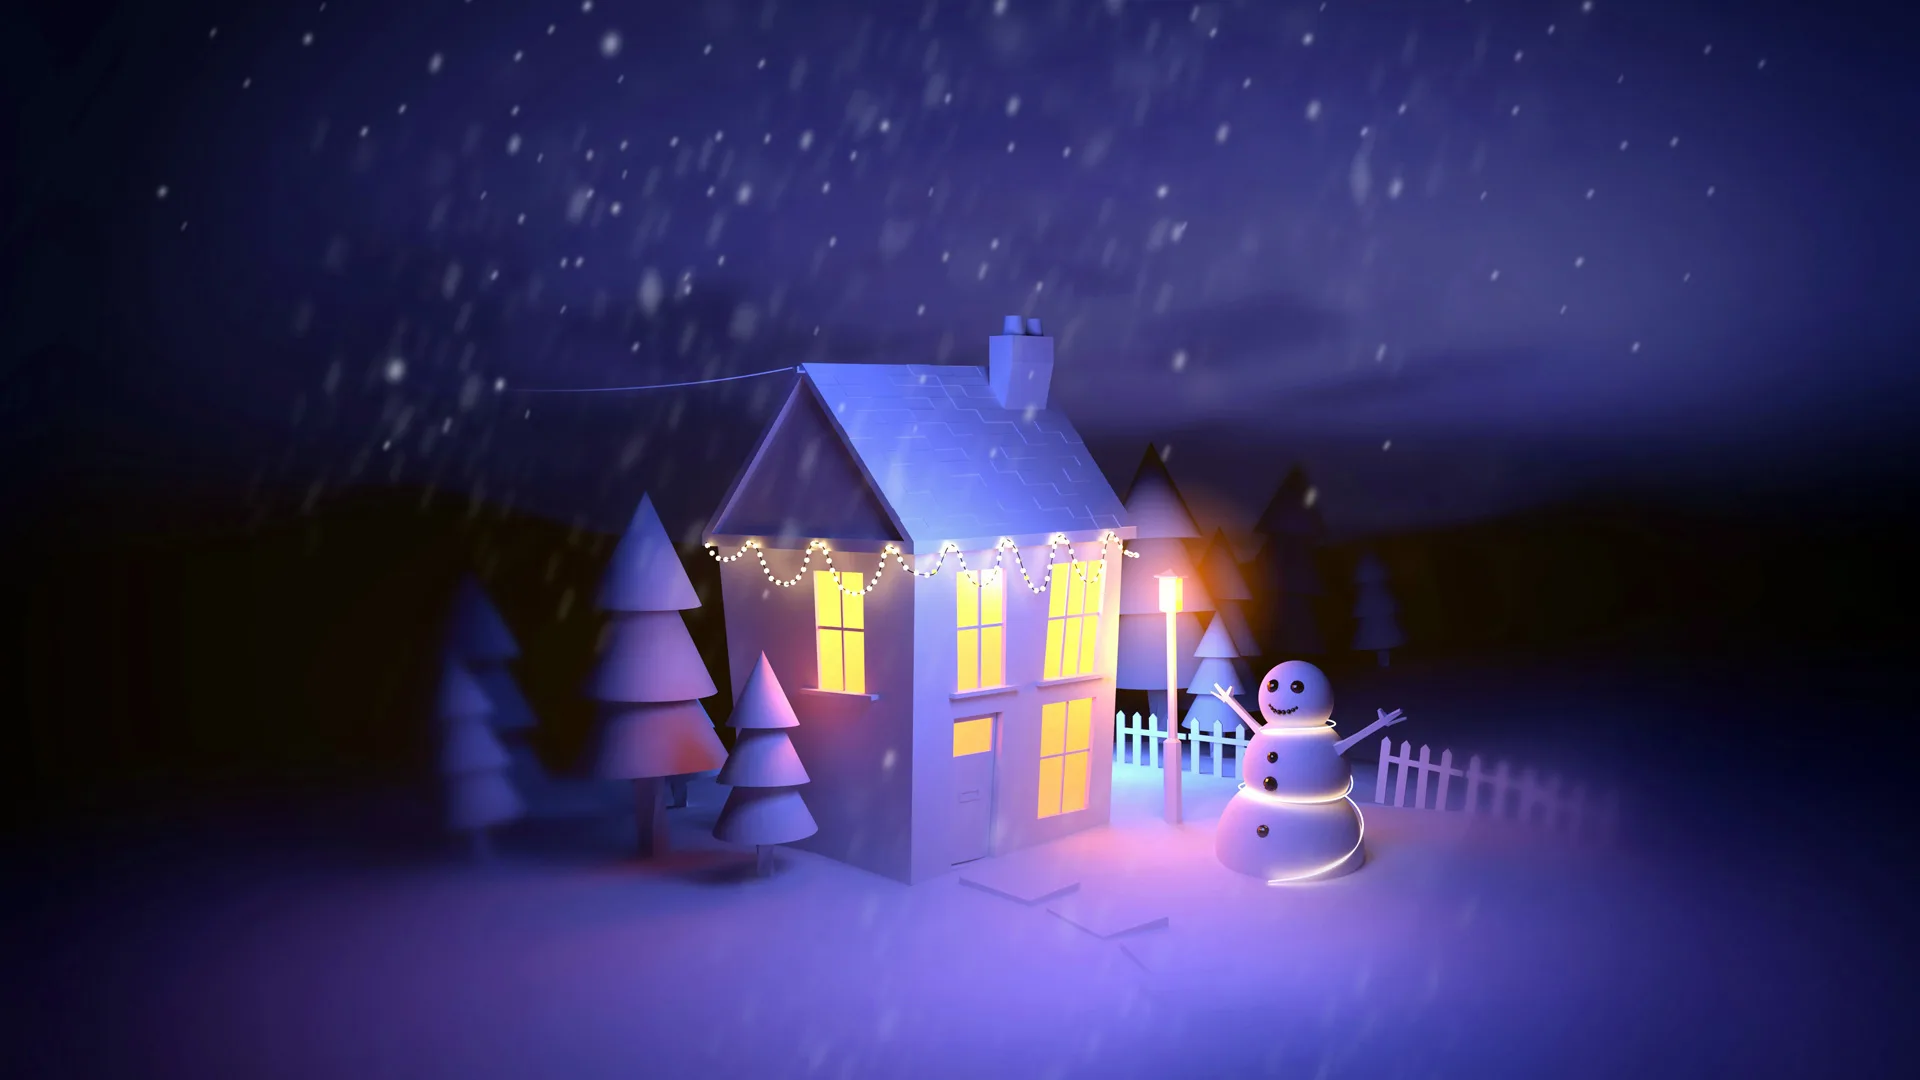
{"x":976,"y":637}
{"x":1073,"y":619}
{"x":841,"y":633}
{"x":1058,"y":749}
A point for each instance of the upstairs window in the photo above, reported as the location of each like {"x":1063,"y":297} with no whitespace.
{"x":840,"y":625}
{"x":981,"y":609}
{"x":1073,"y":618}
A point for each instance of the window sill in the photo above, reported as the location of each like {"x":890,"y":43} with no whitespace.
{"x":815,"y":692}
{"x":989,"y":691}
{"x":1068,"y":680}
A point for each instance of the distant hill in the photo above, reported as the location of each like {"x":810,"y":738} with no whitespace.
{"x":297,"y":649}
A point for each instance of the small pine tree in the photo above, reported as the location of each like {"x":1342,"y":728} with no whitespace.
{"x":473,"y":764}
{"x":479,"y":639}
{"x":1219,"y":663}
{"x":764,"y":808}
{"x":1377,"y":623}
{"x":650,"y":676}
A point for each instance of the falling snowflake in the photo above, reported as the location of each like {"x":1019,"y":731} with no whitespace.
{"x":1013,"y":105}
{"x":1220,"y":133}
{"x":395,"y":370}
{"x":1313,"y":109}
{"x":610,"y":44}
{"x":435,"y":63}
{"x":1180,"y":360}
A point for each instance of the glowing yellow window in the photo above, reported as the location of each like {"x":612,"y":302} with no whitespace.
{"x":972,"y":736}
{"x":1073,"y":618}
{"x":1065,"y":729}
{"x":981,"y":611}
{"x":840,"y":624}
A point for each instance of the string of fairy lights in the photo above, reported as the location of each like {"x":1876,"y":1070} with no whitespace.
{"x":1088,"y":575}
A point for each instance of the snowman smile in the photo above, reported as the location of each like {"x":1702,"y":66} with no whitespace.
{"x":1283,"y":712}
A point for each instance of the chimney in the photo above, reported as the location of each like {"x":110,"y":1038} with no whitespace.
{"x":1020,"y":364}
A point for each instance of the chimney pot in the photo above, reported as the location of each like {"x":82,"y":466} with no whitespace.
{"x":1010,"y":325}
{"x":1033,"y":327}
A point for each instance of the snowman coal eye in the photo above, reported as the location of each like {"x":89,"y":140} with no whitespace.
{"x":1270,"y":783}
{"x":1273,"y":686}
{"x":1262,"y":830}
{"x":1273,"y":755}
{"x":1298,"y":687}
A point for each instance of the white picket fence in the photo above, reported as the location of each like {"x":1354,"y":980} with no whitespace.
{"x":1524,"y":797}
{"x":1140,"y":743}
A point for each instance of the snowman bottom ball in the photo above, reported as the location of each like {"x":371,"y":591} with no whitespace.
{"x":1289,"y":841}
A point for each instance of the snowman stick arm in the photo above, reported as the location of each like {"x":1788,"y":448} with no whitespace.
{"x":1386,"y":720}
{"x":1227,"y":696}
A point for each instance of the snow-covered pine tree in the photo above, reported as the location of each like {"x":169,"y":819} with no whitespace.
{"x":478,"y":637}
{"x":1376,"y":614}
{"x":473,"y":764}
{"x":650,"y":676}
{"x":764,"y":808}
{"x":1230,"y":592}
{"x":1219,"y":662}
{"x":1162,"y":526}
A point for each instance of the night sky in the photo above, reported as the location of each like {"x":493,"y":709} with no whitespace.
{"x":1452,"y":255}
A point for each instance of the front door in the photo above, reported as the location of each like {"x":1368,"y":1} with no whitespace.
{"x":972,"y":808}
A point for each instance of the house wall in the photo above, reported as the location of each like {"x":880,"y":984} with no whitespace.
{"x":1017,"y":711}
{"x":857,"y":752}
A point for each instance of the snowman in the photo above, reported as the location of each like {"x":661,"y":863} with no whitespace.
{"x":1293,"y":818}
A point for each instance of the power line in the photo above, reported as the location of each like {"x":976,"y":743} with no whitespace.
{"x":654,"y":386}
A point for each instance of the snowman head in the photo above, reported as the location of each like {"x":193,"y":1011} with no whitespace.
{"x":1295,"y":692}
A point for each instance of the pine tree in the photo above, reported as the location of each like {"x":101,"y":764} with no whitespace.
{"x":473,"y":764}
{"x":1291,"y":577}
{"x":650,"y":676}
{"x":1219,"y":662}
{"x":764,"y":808}
{"x":1377,"y":623}
{"x":1228,"y":587}
{"x":478,"y":637}
{"x":1162,"y":525}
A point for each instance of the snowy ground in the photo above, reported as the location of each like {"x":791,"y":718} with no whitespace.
{"x":1460,"y":950}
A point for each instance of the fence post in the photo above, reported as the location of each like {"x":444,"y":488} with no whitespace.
{"x":1420,"y":781}
{"x":1501,"y":780}
{"x":1380,"y":778}
{"x":1576,"y":808}
{"x":1550,"y":802}
{"x":1400,"y":782}
{"x":1446,"y":777}
{"x":1529,"y":794}
{"x":1476,"y":777}
{"x":1214,"y":750}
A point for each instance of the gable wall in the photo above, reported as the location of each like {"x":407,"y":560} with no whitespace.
{"x":857,"y":752}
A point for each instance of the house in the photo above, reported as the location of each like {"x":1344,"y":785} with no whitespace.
{"x":948,"y":713}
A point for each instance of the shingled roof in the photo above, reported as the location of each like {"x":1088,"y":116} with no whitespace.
{"x":955,"y":465}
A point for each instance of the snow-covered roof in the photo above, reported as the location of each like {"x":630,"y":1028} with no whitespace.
{"x":954,"y":465}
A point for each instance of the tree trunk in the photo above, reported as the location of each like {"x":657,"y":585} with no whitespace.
{"x":1383,"y":657}
{"x":762,"y":859}
{"x":676,"y":792}
{"x":482,"y":845}
{"x":651,"y":801}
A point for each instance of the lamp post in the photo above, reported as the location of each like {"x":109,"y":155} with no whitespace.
{"x":1170,"y":745}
